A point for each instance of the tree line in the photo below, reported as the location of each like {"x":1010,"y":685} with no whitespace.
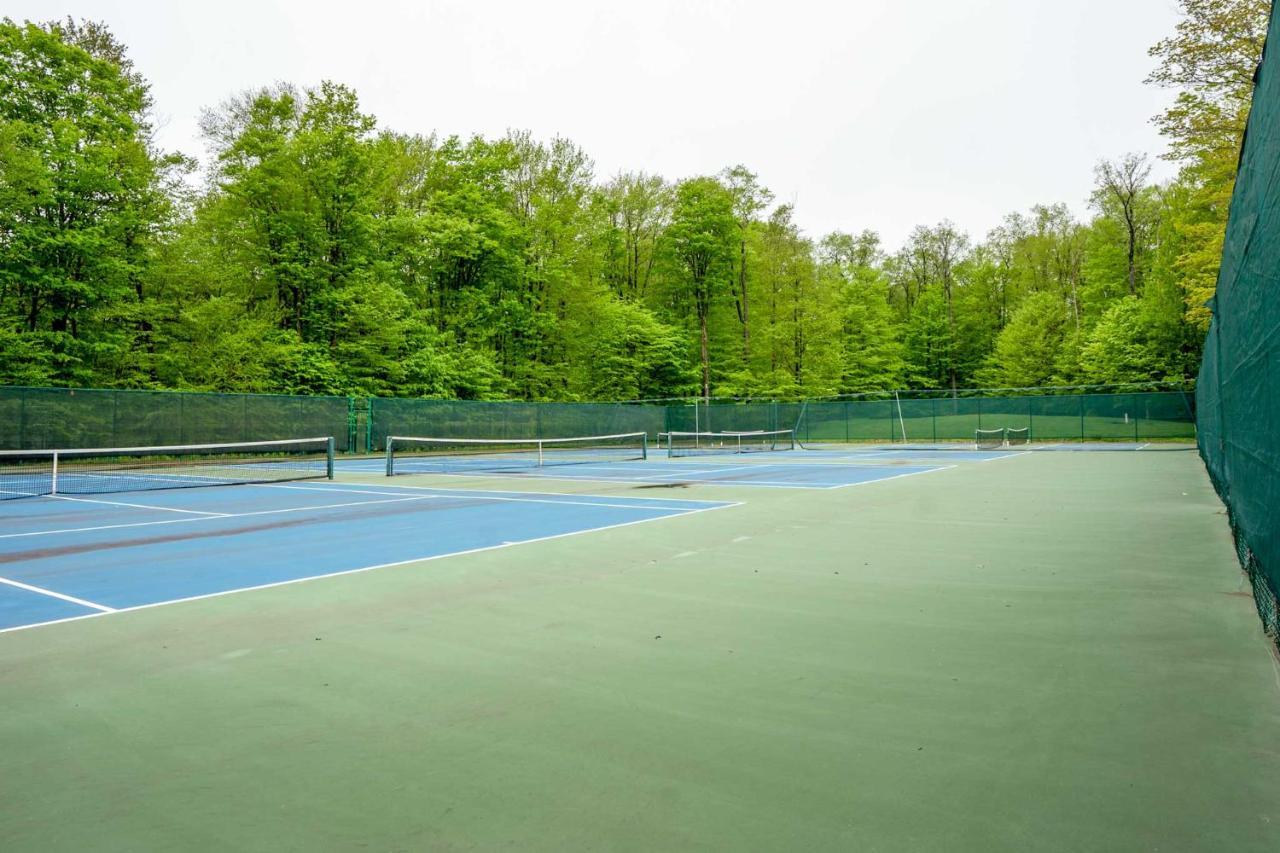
{"x":318,"y":252}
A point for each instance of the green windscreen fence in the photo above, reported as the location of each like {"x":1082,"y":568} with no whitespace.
{"x":40,"y":418}
{"x":1238,"y":392}
{"x":1115,"y":418}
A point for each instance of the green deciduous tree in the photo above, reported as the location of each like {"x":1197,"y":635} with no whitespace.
{"x":870,"y":345}
{"x":81,"y":201}
{"x":1027,"y":350}
{"x":701,"y":238}
{"x":1209,"y":60}
{"x":1122,"y":346}
{"x":324,"y":254}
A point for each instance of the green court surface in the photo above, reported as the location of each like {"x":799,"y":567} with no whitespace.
{"x":1050,"y":651}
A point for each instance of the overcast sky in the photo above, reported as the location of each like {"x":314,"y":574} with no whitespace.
{"x":879,"y":114}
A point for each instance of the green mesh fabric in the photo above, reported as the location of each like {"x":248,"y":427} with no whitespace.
{"x":35,"y":418}
{"x":38,"y":418}
{"x":1238,"y":392}
{"x":1141,"y":417}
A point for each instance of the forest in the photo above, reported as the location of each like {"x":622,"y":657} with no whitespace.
{"x":315,"y":251}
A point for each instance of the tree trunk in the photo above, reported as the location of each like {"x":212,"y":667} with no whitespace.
{"x":1133,"y":239}
{"x":746,"y":313}
{"x":706,"y":359}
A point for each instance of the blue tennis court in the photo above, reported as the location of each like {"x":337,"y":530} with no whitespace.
{"x":800,"y":469}
{"x":778,"y":475}
{"x":72,"y":557}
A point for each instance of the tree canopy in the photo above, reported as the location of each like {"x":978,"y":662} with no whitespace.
{"x":322,"y":253}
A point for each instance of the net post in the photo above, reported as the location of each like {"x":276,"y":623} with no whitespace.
{"x":644,"y":445}
{"x":540,"y":464}
{"x":328,"y":458}
{"x":53,"y":484}
{"x":390,"y":459}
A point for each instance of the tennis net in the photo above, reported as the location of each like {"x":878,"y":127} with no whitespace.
{"x":421,"y":455}
{"x":1017,"y":436}
{"x":708,"y":443}
{"x":90,"y":471}
{"x":988,"y":439}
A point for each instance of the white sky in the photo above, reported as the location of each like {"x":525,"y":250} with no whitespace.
{"x":879,"y":114}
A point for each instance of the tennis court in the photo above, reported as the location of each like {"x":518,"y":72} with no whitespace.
{"x":1011,"y":650}
{"x":66,"y":557}
{"x":1049,"y":651}
{"x":631,"y":458}
{"x":812,"y":473}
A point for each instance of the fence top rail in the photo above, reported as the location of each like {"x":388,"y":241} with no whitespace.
{"x":177,"y":392}
{"x":225,"y":445}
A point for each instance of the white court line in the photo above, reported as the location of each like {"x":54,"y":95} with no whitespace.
{"x":101,"y":608}
{"x":394,"y":497}
{"x":896,"y":476}
{"x":445,"y":491}
{"x":671,"y":473}
{"x":928,"y":469}
{"x":211,"y":517}
{"x":362,"y":569}
{"x":138,"y":506}
{"x":616,"y":480}
{"x":1006,"y":456}
{"x":486,"y":497}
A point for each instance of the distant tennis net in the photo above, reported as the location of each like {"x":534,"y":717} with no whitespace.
{"x":993,"y":439}
{"x":90,"y":471}
{"x":988,"y":439}
{"x":710,"y":443}
{"x":425,"y":455}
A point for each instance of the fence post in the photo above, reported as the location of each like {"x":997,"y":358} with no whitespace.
{"x":368,"y":425}
{"x":351,"y":424}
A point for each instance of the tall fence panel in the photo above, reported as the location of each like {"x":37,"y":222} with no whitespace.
{"x":39,"y":418}
{"x":67,"y":417}
{"x":1239,"y":384}
{"x":1141,"y":417}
